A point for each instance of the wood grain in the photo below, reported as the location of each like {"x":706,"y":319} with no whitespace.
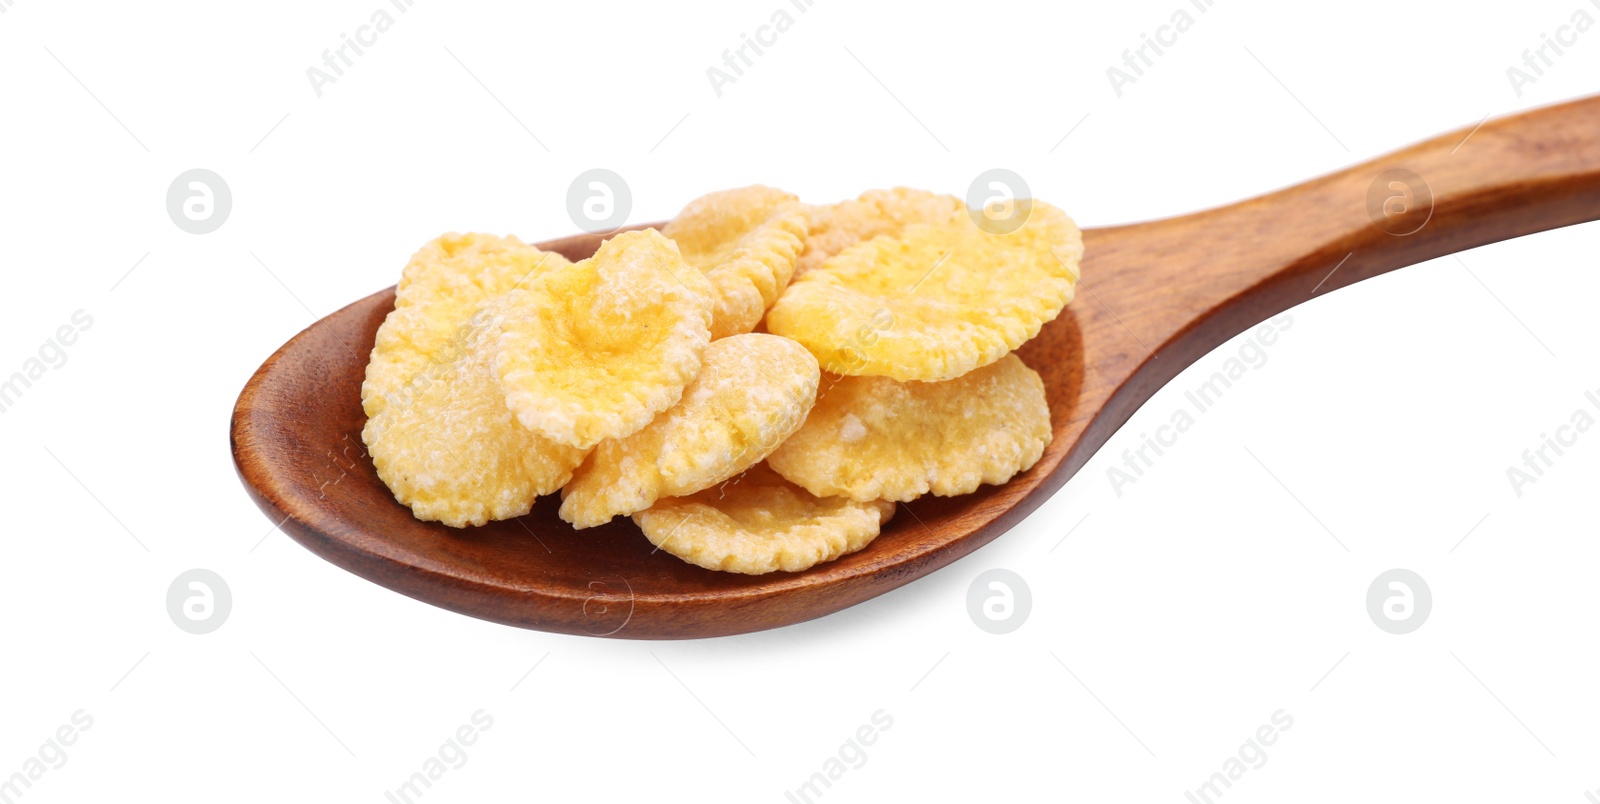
{"x":1156,"y":297}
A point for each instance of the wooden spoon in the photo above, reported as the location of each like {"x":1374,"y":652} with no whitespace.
{"x":1156,"y":297}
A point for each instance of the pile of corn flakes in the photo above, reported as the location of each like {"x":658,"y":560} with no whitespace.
{"x":756,"y":385}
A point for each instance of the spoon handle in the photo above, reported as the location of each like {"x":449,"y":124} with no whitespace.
{"x":1505,"y":178}
{"x":1157,"y":296}
{"x":1183,"y":285}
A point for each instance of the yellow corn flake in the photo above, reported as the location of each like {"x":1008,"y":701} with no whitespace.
{"x":451,"y":450}
{"x":872,"y":438}
{"x":761,"y":523}
{"x":746,"y":242}
{"x":932,"y":301}
{"x":443,"y":285}
{"x":595,"y":350}
{"x":753,"y":391}
{"x":833,"y":228}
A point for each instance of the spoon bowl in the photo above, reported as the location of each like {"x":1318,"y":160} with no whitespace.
{"x":1156,"y":296}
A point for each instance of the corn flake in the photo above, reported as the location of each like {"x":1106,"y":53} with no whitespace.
{"x":753,"y":391}
{"x":443,"y":285}
{"x":872,"y":438}
{"x":596,"y":349}
{"x":928,"y":296}
{"x":761,"y":523}
{"x":451,"y":450}
{"x":746,"y":242}
{"x":832,"y":228}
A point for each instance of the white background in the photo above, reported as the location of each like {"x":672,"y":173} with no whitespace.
{"x":1189,"y":609}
